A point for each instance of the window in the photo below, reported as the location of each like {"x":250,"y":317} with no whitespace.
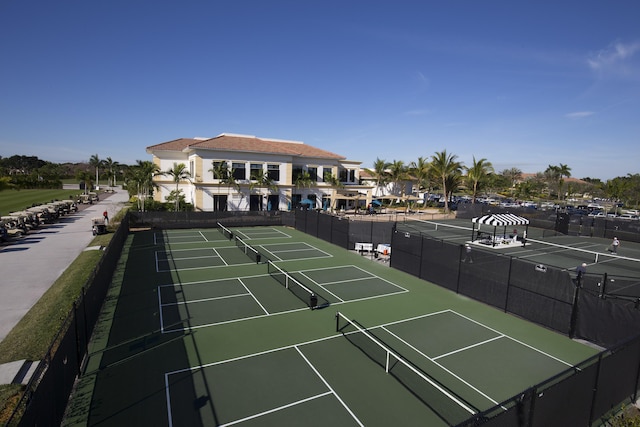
{"x":313,"y":173}
{"x":256,"y":170}
{"x":239,"y":170}
{"x":220,"y":170}
{"x":326,"y":173}
{"x":344,"y":177}
{"x":296,"y":173}
{"x":273,"y":172}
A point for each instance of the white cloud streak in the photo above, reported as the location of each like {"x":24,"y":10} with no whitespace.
{"x":613,"y":57}
{"x":579,"y":114}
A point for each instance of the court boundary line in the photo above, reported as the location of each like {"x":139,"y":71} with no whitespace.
{"x":296,"y":347}
{"x":370,"y":276}
{"x":246,"y":237}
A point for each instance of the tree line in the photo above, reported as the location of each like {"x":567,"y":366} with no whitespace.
{"x":443,"y":173}
{"x":440,"y":173}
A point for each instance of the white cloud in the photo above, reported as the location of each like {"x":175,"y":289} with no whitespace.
{"x":613,"y":57}
{"x":579,"y":114}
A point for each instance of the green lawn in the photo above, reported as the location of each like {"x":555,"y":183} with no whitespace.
{"x":16,"y":200}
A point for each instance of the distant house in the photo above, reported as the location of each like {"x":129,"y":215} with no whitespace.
{"x":390,"y":190}
{"x":247,"y":173}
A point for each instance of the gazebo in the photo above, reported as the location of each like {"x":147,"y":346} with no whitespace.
{"x":498,"y":220}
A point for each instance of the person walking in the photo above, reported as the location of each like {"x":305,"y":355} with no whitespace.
{"x":467,"y":254}
{"x":581,"y":270}
{"x":614,"y":245}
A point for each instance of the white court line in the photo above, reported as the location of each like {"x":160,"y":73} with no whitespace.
{"x":279,"y":408}
{"x":253,"y":296}
{"x":489,"y":398}
{"x":328,"y":386}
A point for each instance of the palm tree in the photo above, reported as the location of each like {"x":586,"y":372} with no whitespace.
{"x":477,"y":175}
{"x":303,"y":180}
{"x":95,"y":162}
{"x":397,"y":174}
{"x":421,"y":170}
{"x":379,"y":173}
{"x":111,"y":168}
{"x":87,"y":178}
{"x":563,"y":170}
{"x":553,"y":177}
{"x":445,"y":166}
{"x":140,"y":178}
{"x":221,"y":172}
{"x":260,"y":180}
{"x":178,"y":173}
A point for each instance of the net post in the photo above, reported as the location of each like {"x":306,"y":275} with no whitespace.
{"x":337,"y":321}
{"x":603,"y":288}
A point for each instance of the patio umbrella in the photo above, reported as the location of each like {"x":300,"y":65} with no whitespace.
{"x":307,"y":202}
{"x":376,"y":202}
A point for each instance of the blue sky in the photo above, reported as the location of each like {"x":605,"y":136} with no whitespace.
{"x":523,"y":84}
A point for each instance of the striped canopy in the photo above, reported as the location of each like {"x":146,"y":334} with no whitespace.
{"x":499,"y":220}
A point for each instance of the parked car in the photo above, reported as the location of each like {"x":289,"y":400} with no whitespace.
{"x":628,"y":216}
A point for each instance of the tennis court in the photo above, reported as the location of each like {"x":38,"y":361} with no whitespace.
{"x":566,"y":252}
{"x":219,"y":337}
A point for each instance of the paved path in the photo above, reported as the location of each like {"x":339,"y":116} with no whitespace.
{"x":29,"y":266}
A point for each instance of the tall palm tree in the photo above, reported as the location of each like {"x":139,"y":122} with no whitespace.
{"x":420,"y":170}
{"x":260,"y":180}
{"x":87,"y":178}
{"x":111,"y":168}
{"x":445,"y":166}
{"x":553,"y":177}
{"x":139,"y":178}
{"x":178,"y":173}
{"x":477,"y":175}
{"x":398,"y":174}
{"x":95,"y":162}
{"x":379,"y":173}
{"x":221,"y":172}
{"x":563,"y":170}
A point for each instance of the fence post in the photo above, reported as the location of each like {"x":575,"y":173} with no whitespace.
{"x":574,"y":309}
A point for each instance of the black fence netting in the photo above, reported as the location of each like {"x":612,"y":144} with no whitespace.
{"x":484,"y":276}
{"x":340,"y":232}
{"x":311,"y":226}
{"x":617,"y":379}
{"x":301,"y":220}
{"x":407,"y":252}
{"x":440,"y":263}
{"x":325,"y":224}
{"x":375,"y":232}
{"x":604,"y":321}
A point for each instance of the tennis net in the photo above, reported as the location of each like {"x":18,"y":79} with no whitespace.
{"x":306,"y":295}
{"x":225,"y":231}
{"x":452,"y":408}
{"x":248,"y":250}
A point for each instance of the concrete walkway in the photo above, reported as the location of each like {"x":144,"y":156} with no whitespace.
{"x":32,"y":264}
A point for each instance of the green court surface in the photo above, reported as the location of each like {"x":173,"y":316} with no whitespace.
{"x":195,"y":332}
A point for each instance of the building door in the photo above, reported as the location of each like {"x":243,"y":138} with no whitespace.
{"x":273,"y":203}
{"x":219,"y":203}
{"x":255,"y":202}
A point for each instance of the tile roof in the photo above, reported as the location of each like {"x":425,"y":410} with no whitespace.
{"x":230,"y":142}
